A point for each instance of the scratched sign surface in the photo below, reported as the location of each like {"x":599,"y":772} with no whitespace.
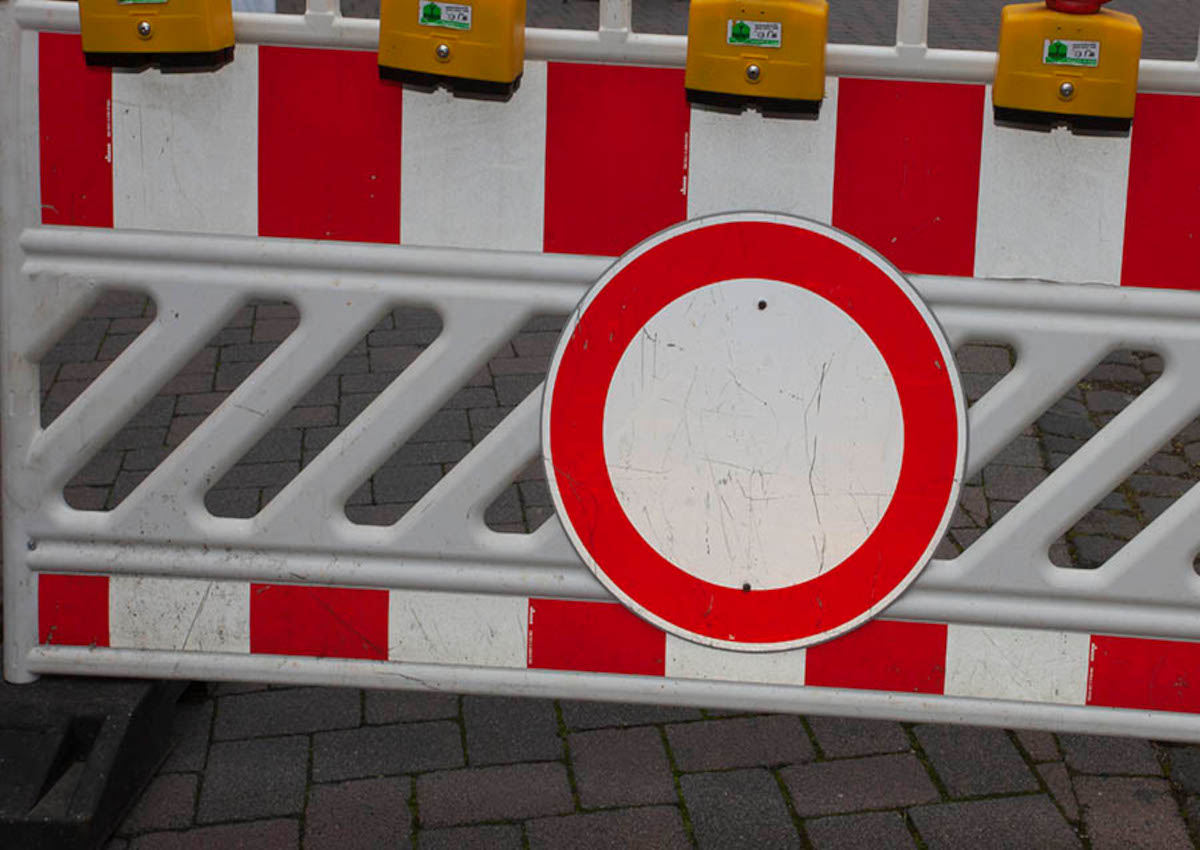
{"x":753,"y":431}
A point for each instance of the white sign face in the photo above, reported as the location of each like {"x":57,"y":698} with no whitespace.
{"x":741,"y":456}
{"x":753,"y":431}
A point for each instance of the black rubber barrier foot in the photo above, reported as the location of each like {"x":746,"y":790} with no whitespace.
{"x":458,"y":86}
{"x":168,"y":63}
{"x":1082,"y":125}
{"x":75,"y":754}
{"x":770,"y":107}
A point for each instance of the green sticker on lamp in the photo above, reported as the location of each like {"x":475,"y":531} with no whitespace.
{"x":754,"y":33}
{"x":455,"y":16}
{"x":1061,"y":51}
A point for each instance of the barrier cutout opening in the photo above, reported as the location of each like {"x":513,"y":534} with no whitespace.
{"x":515,"y":369}
{"x":85,"y":351}
{"x":181,"y":404}
{"x":1111,"y":523}
{"x":525,"y":504}
{"x":320,"y":415}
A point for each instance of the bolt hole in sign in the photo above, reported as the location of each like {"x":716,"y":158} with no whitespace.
{"x":754,"y":432}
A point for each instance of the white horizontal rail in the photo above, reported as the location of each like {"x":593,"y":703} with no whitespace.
{"x":615,"y":43}
{"x":841,"y":702}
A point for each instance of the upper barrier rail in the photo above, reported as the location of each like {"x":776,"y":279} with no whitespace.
{"x":322,"y":25}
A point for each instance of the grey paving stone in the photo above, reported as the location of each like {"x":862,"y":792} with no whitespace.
{"x":877,"y":829}
{"x":492,"y":837}
{"x":1113,"y":756}
{"x":973,"y":761}
{"x":310,"y":417}
{"x":286,"y":712}
{"x":1078,"y":427}
{"x":1122,"y":812}
{"x":1011,"y":482}
{"x":1185,"y":768}
{"x":1191,"y":813}
{"x":383,"y":750}
{"x":621,"y":767}
{"x":413,"y":454}
{"x":1166,"y":464}
{"x":1159,"y":485}
{"x":395,"y":483}
{"x":260,"y":835}
{"x":739,"y":742}
{"x":984,"y":359}
{"x":596,"y":715}
{"x":1093,"y":550}
{"x":87,"y":498}
{"x":169,"y":802}
{"x":442,"y":426}
{"x":846,"y":737}
{"x":508,"y":792}
{"x":364,"y":814}
{"x":876,"y":782}
{"x":1011,"y":823}
{"x":1108,"y":523}
{"x":260,"y":474}
{"x":501,"y":730}
{"x":651,"y":828}
{"x":470,"y":397}
{"x":1058,"y":782}
{"x":233,"y":503}
{"x":512,"y":389}
{"x":407,"y":706}
{"x":1023,"y":451}
{"x":1040,"y":745}
{"x":276,"y":445}
{"x":1108,"y":401}
{"x":233,"y":787}
{"x":739,"y":808}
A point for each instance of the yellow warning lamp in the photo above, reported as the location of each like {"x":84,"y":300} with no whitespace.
{"x":176,"y":35}
{"x":770,"y":53}
{"x":472,"y":48}
{"x":1067,"y":60}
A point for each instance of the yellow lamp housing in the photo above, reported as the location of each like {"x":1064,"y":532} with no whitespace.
{"x":767,"y":53}
{"x":175,"y":35}
{"x":472,"y":48}
{"x":1067,"y":61}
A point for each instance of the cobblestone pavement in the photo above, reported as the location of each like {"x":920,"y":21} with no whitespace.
{"x":288,"y":767}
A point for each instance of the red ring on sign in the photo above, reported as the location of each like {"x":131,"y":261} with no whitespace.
{"x":577,"y":388}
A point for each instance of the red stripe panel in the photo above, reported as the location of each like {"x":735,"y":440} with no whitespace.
{"x":906,"y":174}
{"x":596,"y":637}
{"x":328,"y":146}
{"x":323,"y":622}
{"x":75,"y":131}
{"x":1143,"y":673}
{"x":883,"y":655}
{"x":1162,"y":216}
{"x":73,"y":610}
{"x":616,"y":156}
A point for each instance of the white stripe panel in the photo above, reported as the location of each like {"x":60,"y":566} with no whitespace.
{"x":179,"y":614}
{"x":748,"y":162}
{"x":688,"y":660}
{"x":1017,"y":664}
{"x":473,"y":172}
{"x":185,"y":149}
{"x":452,"y":628}
{"x":1051,"y":205}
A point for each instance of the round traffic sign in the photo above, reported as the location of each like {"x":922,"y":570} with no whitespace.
{"x":753,"y":431}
